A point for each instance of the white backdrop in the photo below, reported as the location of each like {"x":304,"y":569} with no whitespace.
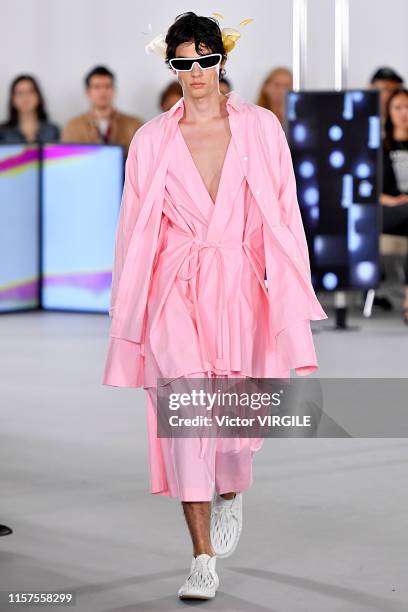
{"x":60,"y":40}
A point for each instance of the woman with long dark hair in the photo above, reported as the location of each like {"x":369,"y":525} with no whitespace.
{"x":27,"y":117}
{"x":395,"y":174}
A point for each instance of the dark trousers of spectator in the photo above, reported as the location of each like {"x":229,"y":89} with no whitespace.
{"x":395,"y":221}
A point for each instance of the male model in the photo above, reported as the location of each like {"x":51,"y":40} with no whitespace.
{"x":209,"y":205}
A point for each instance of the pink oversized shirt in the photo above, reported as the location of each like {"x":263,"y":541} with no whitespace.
{"x":215,"y":292}
{"x":159,"y":251}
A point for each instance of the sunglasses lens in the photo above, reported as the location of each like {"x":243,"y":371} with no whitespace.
{"x":181,"y":63}
{"x":209,"y":61}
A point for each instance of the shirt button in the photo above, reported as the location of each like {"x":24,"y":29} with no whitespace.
{"x":296,"y":258}
{"x":245,"y":158}
{"x":257,"y":192}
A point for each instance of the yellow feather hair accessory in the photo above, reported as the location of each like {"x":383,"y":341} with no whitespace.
{"x":230,"y":36}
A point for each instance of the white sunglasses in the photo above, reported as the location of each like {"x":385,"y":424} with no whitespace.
{"x":185,"y":64}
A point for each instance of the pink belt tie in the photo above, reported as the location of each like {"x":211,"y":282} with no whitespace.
{"x":193,"y":255}
{"x":196,"y":248}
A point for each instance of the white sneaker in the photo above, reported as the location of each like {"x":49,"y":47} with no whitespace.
{"x":202,"y":581}
{"x":226,"y":524}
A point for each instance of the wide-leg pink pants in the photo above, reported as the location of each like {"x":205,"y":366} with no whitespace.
{"x":178,"y":467}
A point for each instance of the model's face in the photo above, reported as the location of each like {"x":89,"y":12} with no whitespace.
{"x":197,"y":83}
{"x":399,"y":111}
{"x":386,"y":88}
{"x":276,"y":87}
{"x":101,"y":91}
{"x":25,"y":98}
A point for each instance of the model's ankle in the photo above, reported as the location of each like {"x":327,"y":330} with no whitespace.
{"x":204,"y":551}
{"x":228,"y":495}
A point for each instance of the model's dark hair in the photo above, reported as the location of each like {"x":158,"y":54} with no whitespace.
{"x":189,"y":27}
{"x":98,"y":71}
{"x":388,"y":124}
{"x":12,"y":120}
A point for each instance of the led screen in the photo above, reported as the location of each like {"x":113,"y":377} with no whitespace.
{"x":19,"y":227}
{"x":335,"y":141}
{"x":81,"y":192}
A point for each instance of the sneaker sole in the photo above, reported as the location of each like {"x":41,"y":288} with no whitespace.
{"x":196,"y":596}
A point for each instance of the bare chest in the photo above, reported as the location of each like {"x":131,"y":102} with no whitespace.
{"x":208,"y":151}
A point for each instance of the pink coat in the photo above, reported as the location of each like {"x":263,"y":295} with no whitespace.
{"x":267,"y":164}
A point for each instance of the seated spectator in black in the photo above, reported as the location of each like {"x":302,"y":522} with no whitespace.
{"x":386,"y":80}
{"x":170,"y":95}
{"x":28,"y":119}
{"x":225,"y":85}
{"x":394,"y":198}
{"x":102,"y":123}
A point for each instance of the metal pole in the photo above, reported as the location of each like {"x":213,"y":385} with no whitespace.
{"x":299,"y":43}
{"x":341,"y":44}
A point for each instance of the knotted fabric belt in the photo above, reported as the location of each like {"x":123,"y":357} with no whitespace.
{"x":188,"y":270}
{"x":192,"y":261}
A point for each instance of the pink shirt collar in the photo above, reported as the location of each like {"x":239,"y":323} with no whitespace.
{"x":234,"y":100}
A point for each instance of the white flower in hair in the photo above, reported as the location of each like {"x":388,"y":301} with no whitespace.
{"x":157,"y":46}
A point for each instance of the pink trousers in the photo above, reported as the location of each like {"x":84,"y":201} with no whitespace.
{"x":183,"y":468}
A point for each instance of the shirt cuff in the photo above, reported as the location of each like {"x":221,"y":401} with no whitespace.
{"x":295,"y":348}
{"x":124,"y":365}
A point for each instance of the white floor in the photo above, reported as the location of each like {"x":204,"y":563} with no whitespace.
{"x":325,"y":522}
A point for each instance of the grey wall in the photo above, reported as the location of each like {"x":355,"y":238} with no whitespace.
{"x":59,"y":40}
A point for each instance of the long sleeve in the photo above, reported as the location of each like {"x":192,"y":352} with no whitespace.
{"x":296,"y":340}
{"x":128,"y":214}
{"x":125,"y":361}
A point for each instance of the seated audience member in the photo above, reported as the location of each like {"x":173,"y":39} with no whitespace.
{"x":386,"y":80}
{"x":170,"y":95}
{"x":102,"y":123}
{"x":273,"y":91}
{"x":225,"y":85}
{"x":394,"y":198}
{"x":27,"y":117}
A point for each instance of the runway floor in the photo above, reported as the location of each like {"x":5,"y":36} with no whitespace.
{"x":325,"y":522}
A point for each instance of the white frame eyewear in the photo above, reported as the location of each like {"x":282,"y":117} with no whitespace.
{"x":195,"y":60}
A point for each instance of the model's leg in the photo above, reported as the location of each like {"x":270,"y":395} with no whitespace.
{"x":198,"y":513}
{"x":197,"y":516}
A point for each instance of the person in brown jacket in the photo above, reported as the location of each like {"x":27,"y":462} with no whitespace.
{"x":102,"y":123}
